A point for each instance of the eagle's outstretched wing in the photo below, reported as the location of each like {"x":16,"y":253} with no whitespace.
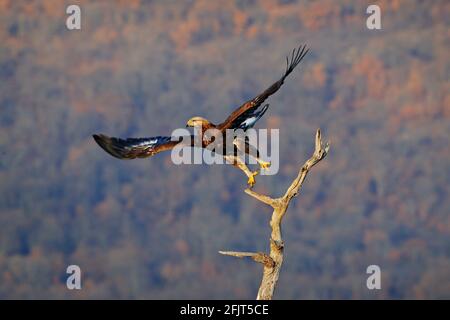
{"x":132,"y":148}
{"x":246,"y":115}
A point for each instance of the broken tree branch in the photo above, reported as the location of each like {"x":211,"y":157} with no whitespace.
{"x":272,"y":262}
{"x":256,"y":256}
{"x":265,"y":199}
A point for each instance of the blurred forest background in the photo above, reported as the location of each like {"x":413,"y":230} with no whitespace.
{"x":151,"y":229}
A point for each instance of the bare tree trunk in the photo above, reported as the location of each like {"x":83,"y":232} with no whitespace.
{"x":272,"y":262}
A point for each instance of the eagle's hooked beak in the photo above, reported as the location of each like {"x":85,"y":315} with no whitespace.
{"x":190,"y":123}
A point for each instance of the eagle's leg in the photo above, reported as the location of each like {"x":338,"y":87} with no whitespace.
{"x":263,"y":164}
{"x":251,"y":179}
{"x":252,"y":151}
{"x":238,"y":163}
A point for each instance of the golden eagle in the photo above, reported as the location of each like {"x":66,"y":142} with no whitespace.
{"x":243,"y":118}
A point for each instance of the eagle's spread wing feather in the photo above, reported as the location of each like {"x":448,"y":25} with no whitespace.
{"x":132,"y":148}
{"x":248,"y":113}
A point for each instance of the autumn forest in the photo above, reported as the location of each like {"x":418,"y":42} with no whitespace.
{"x":150,"y":229}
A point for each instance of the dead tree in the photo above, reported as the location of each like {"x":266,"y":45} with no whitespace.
{"x":272,"y":262}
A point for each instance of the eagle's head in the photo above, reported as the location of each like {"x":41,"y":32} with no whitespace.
{"x":197,"y":121}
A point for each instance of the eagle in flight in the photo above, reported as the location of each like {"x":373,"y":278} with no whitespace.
{"x":243,"y":118}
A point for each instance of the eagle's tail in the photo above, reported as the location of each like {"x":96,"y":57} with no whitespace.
{"x":130,"y":148}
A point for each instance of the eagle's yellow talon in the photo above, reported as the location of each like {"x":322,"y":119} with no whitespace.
{"x":264,"y":164}
{"x":251,"y":179}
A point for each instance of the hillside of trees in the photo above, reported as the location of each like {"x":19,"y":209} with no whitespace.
{"x":150,"y":229}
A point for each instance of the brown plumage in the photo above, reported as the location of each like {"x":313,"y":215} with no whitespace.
{"x":133,"y":148}
{"x":250,"y":107}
